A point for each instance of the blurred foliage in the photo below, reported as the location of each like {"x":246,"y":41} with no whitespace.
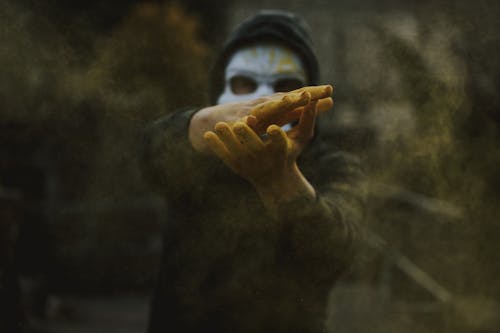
{"x":425,"y":84}
{"x":441,"y":159}
{"x":421,"y":80}
{"x":81,"y":114}
{"x":152,"y":64}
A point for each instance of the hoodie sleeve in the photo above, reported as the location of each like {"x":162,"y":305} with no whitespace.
{"x":169,"y":160}
{"x":320,"y":236}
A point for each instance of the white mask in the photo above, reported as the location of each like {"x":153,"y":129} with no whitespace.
{"x":261,"y":70}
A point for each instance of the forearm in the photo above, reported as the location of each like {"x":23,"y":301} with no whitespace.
{"x":321,"y":236}
{"x":168,"y":159}
{"x":282,"y":194}
{"x":317,"y":239}
{"x":201,"y":122}
{"x":318,"y":231}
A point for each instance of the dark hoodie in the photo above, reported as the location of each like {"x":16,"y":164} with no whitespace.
{"x":228,"y":266}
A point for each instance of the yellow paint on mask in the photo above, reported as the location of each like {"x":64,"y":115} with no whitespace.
{"x":286,"y":64}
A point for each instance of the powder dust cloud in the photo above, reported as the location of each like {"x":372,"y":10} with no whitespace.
{"x":417,"y":97}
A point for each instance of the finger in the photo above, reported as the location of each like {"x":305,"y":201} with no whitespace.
{"x":274,"y":108}
{"x":217,"y":147}
{"x":248,"y":137}
{"x":278,"y":142}
{"x":322,"y":106}
{"x":227,"y":136}
{"x":305,"y":127}
{"x":317,"y":92}
{"x":251,"y":121}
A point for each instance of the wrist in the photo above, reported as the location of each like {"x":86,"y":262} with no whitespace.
{"x":288,"y":187}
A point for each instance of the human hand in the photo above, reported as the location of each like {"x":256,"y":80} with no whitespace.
{"x":259,"y":114}
{"x":266,"y":163}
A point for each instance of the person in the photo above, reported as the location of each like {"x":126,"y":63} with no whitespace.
{"x":263,"y":214}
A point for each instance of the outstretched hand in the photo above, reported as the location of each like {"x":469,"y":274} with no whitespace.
{"x":269,"y":162}
{"x":259,"y":160}
{"x":278,"y":109}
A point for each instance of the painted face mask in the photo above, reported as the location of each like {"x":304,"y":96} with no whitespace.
{"x":261,"y":70}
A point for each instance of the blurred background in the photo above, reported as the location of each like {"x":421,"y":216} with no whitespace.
{"x":417,"y":97}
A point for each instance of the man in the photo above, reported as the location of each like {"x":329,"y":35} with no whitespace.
{"x":262,"y":213}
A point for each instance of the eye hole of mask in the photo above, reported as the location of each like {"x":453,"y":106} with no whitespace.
{"x":285,"y":85}
{"x":241,"y":85}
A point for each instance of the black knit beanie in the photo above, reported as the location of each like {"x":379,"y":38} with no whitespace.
{"x":277,"y":26}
